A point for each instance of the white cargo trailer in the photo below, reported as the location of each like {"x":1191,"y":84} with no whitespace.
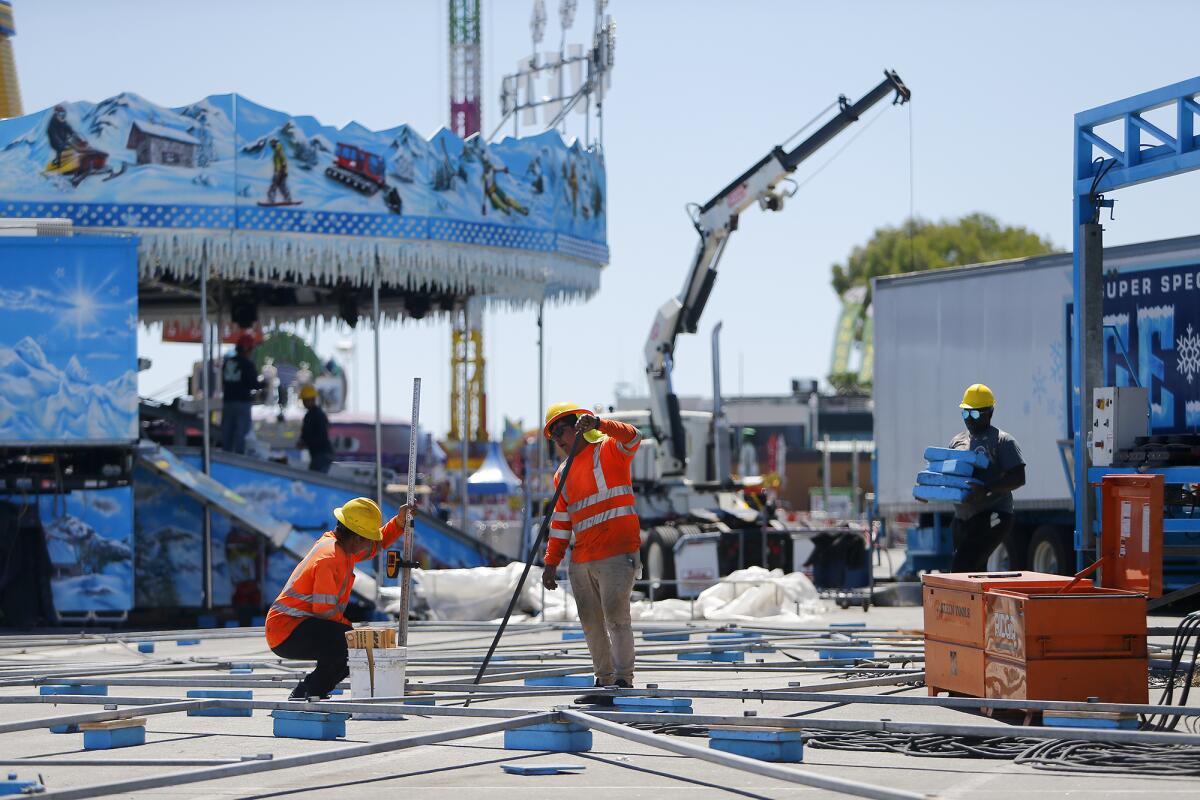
{"x":1006,"y":324}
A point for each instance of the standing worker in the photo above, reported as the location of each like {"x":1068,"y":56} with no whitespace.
{"x":596,"y":505}
{"x":314,"y":431}
{"x":985,"y":516}
{"x":239,"y":382}
{"x":307,"y":620}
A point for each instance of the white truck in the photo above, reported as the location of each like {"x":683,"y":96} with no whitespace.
{"x":1006,"y":324}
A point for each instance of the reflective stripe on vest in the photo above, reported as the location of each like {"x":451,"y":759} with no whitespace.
{"x":598,"y":497}
{"x":603,"y":516}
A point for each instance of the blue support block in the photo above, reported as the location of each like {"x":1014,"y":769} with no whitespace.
{"x":585,"y":681}
{"x":206,"y":621}
{"x":963,"y":469}
{"x":419,"y":701}
{"x":715,"y":655}
{"x":541,"y":769}
{"x":114,"y":737}
{"x":550,"y":737}
{"x":653,"y":705}
{"x":667,"y":637}
{"x":1083,"y":719}
{"x":572,"y":636}
{"x":848,"y":625}
{"x":946,"y":454}
{"x":16,"y":786}
{"x":145,"y":647}
{"x":945,"y":493}
{"x":930,"y":478}
{"x":71,"y":728}
{"x":186,"y":642}
{"x":782,"y":746}
{"x":321,"y":725}
{"x":228,"y":694}
{"x":73,"y":688}
{"x":858,"y":654}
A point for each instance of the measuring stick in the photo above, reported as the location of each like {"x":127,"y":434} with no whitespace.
{"x":410,"y":531}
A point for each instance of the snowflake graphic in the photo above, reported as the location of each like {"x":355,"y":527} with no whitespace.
{"x":1188,"y":347}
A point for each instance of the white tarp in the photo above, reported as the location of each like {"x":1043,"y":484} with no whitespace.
{"x":482,"y":593}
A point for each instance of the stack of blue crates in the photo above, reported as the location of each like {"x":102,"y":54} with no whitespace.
{"x":948,"y":475}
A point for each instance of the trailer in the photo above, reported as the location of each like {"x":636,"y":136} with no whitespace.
{"x":1008,"y":324}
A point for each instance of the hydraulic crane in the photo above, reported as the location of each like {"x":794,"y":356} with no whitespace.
{"x":715,"y":221}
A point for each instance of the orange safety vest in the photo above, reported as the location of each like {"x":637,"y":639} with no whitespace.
{"x":320,"y":585}
{"x":596,"y":504}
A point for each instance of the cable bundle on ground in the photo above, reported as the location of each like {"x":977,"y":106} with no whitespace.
{"x":1187,"y":637}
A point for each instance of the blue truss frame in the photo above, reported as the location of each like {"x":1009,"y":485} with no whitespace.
{"x":1165,"y":155}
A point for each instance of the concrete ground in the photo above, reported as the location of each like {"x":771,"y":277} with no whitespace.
{"x":471,"y":767}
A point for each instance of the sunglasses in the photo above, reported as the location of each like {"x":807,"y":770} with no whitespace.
{"x":557,"y":429}
{"x":974,"y":413}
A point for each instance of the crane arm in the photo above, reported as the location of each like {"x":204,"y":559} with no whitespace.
{"x":714,"y":221}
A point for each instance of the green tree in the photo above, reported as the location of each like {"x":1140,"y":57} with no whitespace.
{"x":919,"y":244}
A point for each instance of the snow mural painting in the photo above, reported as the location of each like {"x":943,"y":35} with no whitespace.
{"x":89,"y":538}
{"x":68,"y":345}
{"x":310,"y":197}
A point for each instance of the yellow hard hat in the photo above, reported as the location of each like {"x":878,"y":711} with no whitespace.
{"x":308,"y":392}
{"x":557,"y":410}
{"x":361,"y":516}
{"x":977,"y":396}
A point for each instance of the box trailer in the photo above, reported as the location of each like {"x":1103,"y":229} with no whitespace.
{"x":1007,"y":324}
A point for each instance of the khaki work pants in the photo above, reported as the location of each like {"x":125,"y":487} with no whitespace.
{"x":602,"y":590}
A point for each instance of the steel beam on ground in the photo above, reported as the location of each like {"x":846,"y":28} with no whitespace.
{"x":763,"y":768}
{"x":173,"y":779}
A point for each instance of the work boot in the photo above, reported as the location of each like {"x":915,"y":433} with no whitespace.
{"x":595,"y":699}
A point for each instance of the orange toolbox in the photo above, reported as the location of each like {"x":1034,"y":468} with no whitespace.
{"x":954,"y":610}
{"x":1111,"y":680}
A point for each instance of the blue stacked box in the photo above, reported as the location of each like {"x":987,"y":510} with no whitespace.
{"x":653,"y":705}
{"x":715,"y":655}
{"x":572,"y":636}
{"x":186,"y":642}
{"x":145,"y":647}
{"x":717,"y":637}
{"x":948,"y":476}
{"x":825,"y":655}
{"x":784,"y":746}
{"x":550,"y":737}
{"x":114,"y":737}
{"x":1067,"y":719}
{"x":667,"y":637}
{"x":228,"y":694}
{"x":419,"y":701}
{"x":322,"y":725}
{"x":562,"y":680}
{"x":16,"y":786}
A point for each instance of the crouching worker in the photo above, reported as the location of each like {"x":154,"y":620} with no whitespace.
{"x":596,"y":505}
{"x":307,"y":621}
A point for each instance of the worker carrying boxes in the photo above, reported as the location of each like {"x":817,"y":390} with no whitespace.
{"x":978,"y":472}
{"x":1033,"y":636}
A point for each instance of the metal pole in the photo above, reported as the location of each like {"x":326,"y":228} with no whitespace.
{"x":378,"y":431}
{"x":854,"y":478}
{"x":676,"y":745}
{"x":319,"y":757}
{"x":1089,"y":338}
{"x":541,"y":444}
{"x":721,"y":467}
{"x":826,"y":463}
{"x":410,"y":532}
{"x":206,"y":407}
{"x":464,"y":404}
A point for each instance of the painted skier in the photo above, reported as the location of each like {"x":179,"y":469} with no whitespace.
{"x":73,"y":156}
{"x":537,"y":176}
{"x":279,"y":178}
{"x":493,"y":194}
{"x":62,"y":136}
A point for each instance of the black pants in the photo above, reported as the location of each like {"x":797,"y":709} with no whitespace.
{"x":325,"y":641}
{"x":976,"y":538}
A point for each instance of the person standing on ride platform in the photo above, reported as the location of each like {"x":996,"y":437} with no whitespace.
{"x":596,"y":506}
{"x":239,"y":383}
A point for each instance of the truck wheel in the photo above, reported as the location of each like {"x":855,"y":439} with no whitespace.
{"x":659,"y":560}
{"x":1010,"y":555}
{"x":1048,"y":552}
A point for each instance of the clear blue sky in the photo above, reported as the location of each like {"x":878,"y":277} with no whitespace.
{"x":701,"y":90}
